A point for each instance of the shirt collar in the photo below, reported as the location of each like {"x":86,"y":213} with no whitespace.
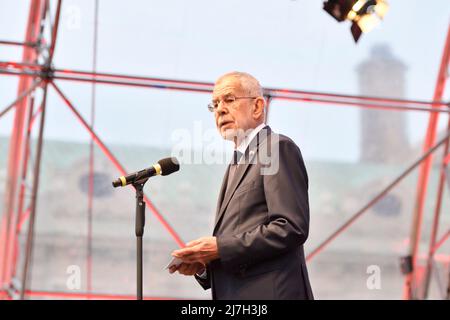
{"x":244,"y":143}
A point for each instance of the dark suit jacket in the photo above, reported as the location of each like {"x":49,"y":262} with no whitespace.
{"x":262,"y":221}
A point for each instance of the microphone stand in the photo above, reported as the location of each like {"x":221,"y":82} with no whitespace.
{"x":140,"y":223}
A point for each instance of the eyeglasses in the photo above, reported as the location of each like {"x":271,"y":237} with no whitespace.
{"x":227,"y":101}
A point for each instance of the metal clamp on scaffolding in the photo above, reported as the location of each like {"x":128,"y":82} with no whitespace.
{"x":406,"y":264}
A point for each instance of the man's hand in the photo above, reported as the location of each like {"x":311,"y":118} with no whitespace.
{"x":202,"y":250}
{"x":188,"y":269}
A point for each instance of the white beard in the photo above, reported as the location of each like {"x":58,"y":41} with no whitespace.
{"x":229,"y":134}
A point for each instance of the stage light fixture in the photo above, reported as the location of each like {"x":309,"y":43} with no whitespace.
{"x":363,"y":14}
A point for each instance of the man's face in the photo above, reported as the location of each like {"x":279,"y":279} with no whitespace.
{"x":232,"y":118}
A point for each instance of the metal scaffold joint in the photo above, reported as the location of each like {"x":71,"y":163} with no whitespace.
{"x":47,"y":73}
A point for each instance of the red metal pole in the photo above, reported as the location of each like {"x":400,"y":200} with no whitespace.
{"x":274,"y":96}
{"x":267,"y":91}
{"x":293,"y":95}
{"x":34,"y":198}
{"x":55,"y":29}
{"x":268,"y":102}
{"x":20,"y":65}
{"x":362,"y":104}
{"x":91,"y":160}
{"x":358,"y":98}
{"x":112,"y":76}
{"x":20,"y":73}
{"x":435,"y":225}
{"x":148,"y":84}
{"x":36,"y":169}
{"x":7,"y":238}
{"x":16,"y":43}
{"x":85,"y":295}
{"x":23,"y":184}
{"x":422,"y":184}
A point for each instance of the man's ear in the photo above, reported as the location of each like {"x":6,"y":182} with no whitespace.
{"x":258,"y":108}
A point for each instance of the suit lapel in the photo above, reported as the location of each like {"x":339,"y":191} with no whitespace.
{"x":242,"y":168}
{"x":222,"y":193}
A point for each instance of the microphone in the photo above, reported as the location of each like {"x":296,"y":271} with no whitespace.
{"x":163,"y":167}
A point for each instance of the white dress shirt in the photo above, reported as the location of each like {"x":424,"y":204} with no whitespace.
{"x":246,"y":141}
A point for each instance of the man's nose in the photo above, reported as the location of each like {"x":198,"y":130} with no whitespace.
{"x":220,"y":108}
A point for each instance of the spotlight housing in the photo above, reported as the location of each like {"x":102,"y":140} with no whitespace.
{"x":363,"y":14}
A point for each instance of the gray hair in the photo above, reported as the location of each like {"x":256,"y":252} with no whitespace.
{"x":249,"y":84}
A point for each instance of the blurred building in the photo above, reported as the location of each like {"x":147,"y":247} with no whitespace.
{"x":187,"y":200}
{"x":383,"y":134}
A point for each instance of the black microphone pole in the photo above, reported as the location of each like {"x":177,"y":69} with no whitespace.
{"x":164,"y":167}
{"x":140,"y":223}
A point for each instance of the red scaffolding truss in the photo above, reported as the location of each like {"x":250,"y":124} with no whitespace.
{"x":35,"y":76}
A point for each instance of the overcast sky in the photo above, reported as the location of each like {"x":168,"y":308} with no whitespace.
{"x":286,"y":44}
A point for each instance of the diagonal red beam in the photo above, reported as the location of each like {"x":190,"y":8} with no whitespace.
{"x":20,"y":97}
{"x":436,"y":220}
{"x":23,"y":218}
{"x":17,"y":43}
{"x":117,"y":164}
{"x":374,"y":200}
{"x":410,"y":287}
{"x":447,"y":159}
{"x":34,"y":116}
{"x":441,"y":241}
{"x":55,"y":29}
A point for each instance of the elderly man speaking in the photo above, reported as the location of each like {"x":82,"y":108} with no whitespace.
{"x":262,"y":217}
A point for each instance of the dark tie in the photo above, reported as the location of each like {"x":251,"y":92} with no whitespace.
{"x":233,"y":166}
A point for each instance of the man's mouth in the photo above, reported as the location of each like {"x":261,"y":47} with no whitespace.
{"x":225,"y":123}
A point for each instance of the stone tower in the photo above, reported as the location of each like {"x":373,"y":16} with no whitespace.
{"x":383,"y":133}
